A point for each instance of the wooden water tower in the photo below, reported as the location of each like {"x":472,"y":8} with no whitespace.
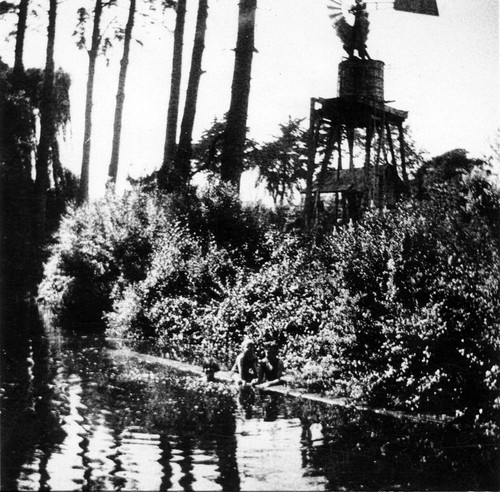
{"x":358,"y":119}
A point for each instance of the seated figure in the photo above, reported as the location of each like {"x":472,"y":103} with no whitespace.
{"x":270,"y":368}
{"x":244,"y":370}
{"x":210,"y":367}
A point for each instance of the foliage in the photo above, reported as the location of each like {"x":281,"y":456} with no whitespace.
{"x":282,"y":163}
{"x":207,"y":151}
{"x":105,"y":41}
{"x":182,"y":280}
{"x":425,"y":328}
{"x":239,"y":229}
{"x":190,"y":272}
{"x":400,"y":308}
{"x":285,"y":301}
{"x":98,"y":246}
{"x":20,"y":109}
{"x":104,"y":246}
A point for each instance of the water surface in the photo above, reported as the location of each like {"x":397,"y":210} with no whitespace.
{"x":79,"y":415}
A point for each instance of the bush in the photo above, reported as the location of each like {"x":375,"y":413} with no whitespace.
{"x":286,"y":302}
{"x":99,"y":247}
{"x":181,"y":282}
{"x":425,"y":327}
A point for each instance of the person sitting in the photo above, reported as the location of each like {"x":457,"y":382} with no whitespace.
{"x":244,"y":370}
{"x":210,"y":367}
{"x":270,"y":368}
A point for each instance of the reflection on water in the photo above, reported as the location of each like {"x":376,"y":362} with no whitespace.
{"x":77,"y":416}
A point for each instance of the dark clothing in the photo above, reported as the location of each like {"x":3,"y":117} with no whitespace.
{"x":269,"y":371}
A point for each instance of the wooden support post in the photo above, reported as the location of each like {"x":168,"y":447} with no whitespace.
{"x":324,"y":167}
{"x":339,"y":168}
{"x":403,"y":155}
{"x":344,"y":209}
{"x":378,"y":196}
{"x":314,"y":124}
{"x":391,"y":144}
{"x":350,"y":143}
{"x":368,"y":146}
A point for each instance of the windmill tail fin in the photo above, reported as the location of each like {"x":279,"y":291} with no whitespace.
{"x":428,"y":7}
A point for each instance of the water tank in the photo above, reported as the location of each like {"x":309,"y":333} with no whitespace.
{"x":361,"y":79}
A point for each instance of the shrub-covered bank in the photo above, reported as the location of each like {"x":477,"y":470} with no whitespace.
{"x":401,"y":308}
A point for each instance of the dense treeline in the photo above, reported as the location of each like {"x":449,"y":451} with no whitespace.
{"x":400,"y":309}
{"x":35,"y":109}
{"x":30,"y":210}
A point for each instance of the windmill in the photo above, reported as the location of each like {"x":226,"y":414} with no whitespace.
{"x":359,"y":112}
{"x":350,"y":20}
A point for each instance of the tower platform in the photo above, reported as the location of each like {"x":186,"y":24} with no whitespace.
{"x":355,"y":112}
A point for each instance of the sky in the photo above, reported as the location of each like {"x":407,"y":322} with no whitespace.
{"x":443,"y":70}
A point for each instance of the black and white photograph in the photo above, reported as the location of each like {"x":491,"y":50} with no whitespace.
{"x":249,"y":245}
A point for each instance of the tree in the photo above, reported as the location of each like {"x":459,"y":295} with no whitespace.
{"x":21,"y":30}
{"x":207,"y":152}
{"x":282,"y":164}
{"x":93,"y":53}
{"x":173,"y":104}
{"x":120,"y":96}
{"x":184,"y":151}
{"x":234,"y":139}
{"x":47,"y":129}
{"x":30,"y":208}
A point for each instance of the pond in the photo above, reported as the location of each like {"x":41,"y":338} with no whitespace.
{"x":79,"y":415}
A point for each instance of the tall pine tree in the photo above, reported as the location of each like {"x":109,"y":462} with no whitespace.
{"x":235,"y":134}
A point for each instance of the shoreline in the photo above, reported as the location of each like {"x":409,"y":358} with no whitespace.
{"x":225,"y":377}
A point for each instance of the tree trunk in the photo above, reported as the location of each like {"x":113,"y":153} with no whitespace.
{"x":96,"y":38}
{"x":47,"y":130}
{"x":18,"y":72}
{"x":173,"y":104}
{"x":235,"y":134}
{"x":183,"y":157}
{"x":120,"y":97}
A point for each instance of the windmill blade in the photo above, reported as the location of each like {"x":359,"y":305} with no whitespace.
{"x":340,"y":9}
{"x":428,"y":7}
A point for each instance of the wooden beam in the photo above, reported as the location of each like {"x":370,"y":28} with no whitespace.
{"x":339,"y":167}
{"x":368,"y":170}
{"x":403,"y":154}
{"x":350,"y":142}
{"x":314,"y":124}
{"x":391,"y":143}
{"x":324,"y":166}
{"x":377,"y":196}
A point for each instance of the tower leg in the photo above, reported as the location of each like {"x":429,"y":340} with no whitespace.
{"x":378,"y":196}
{"x":403,"y":155}
{"x":314,"y":124}
{"x":334,"y":129}
{"x":368,"y":170}
{"x":391,"y":144}
{"x":339,"y":167}
{"x":350,"y":143}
